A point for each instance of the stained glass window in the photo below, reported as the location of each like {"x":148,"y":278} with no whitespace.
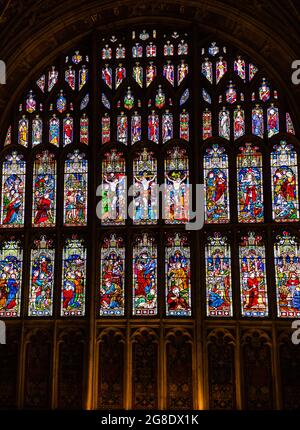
{"x":249,"y":185}
{"x":216,"y":185}
{"x":68,"y":130}
{"x":113,"y":202}
{"x":258,"y":121}
{"x":218,"y":277}
{"x":284,"y":172}
{"x":41,"y":278}
{"x":224,"y":124}
{"x":178,"y":276}
{"x":206,"y":124}
{"x":75,"y":189}
{"x":253,"y":283}
{"x":177,"y":189}
{"x":13,"y":190}
{"x":238,"y":122}
{"x":73,"y":278}
{"x":144,"y":276}
{"x":272,"y":121}
{"x":145,"y":205}
{"x":287,"y":272}
{"x":44,"y":190}
{"x":112,"y":282}
{"x":11,"y":261}
{"x":23,"y":131}
{"x":37,"y":130}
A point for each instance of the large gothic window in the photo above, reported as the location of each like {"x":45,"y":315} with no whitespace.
{"x":147,"y":107}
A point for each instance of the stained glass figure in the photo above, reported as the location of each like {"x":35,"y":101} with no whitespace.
{"x":168,"y":72}
{"x":168,"y":49}
{"x":41,"y":279}
{"x":13,"y":190}
{"x":113,"y":203}
{"x":136,"y":128}
{"x":30,"y":103}
{"x":150,"y":73}
{"x":167,"y":126}
{"x":106,"y":53}
{"x":176,"y":199}
{"x":153,"y":127}
{"x":112,"y":279}
{"x":207,"y":126}
{"x":258,"y":121}
{"x":120,"y":52}
{"x":216,"y":185}
{"x":61,"y":102}
{"x":11,"y":258}
{"x":137,"y":74}
{"x":70,"y":77}
{"x":231,"y":94}
{"x":289,"y":124}
{"x":73,"y":278}
{"x":178,"y":276}
{"x":37,"y":130}
{"x":264,"y":91}
{"x":75,"y":189}
{"x":272,"y":121}
{"x":253,"y":283}
{"x":83,"y":77}
{"x":145,"y":276}
{"x":206,"y":68}
{"x":160,"y":98}
{"x":284,"y":172}
{"x":182,"y":71}
{"x":128,"y":99}
{"x":23,"y":131}
{"x":107,"y":75}
{"x":221,"y":69}
{"x":122,"y":128}
{"x":218,"y":277}
{"x":54,"y":130}
{"x":182,"y":48}
{"x":84,"y":129}
{"x":44,"y":190}
{"x":52,"y":78}
{"x":238,"y":122}
{"x":287,"y":273}
{"x":240,"y":68}
{"x":145,"y":205}
{"x":68,"y":129}
{"x":224,"y":124}
{"x":250,"y":185}
{"x":184,"y":125}
{"x":120,"y":75}
{"x":105,"y":128}
{"x":184,"y":97}
{"x":41,"y":83}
